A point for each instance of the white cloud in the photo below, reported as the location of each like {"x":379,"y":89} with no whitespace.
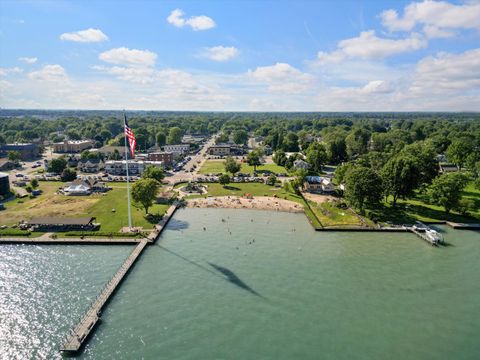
{"x":7,"y":71}
{"x":369,"y":46}
{"x":28,"y":60}
{"x":448,"y":73}
{"x":219,"y":53}
{"x":141,"y":75}
{"x":197,"y":23}
{"x":439,"y":14}
{"x":434,"y":32}
{"x":377,"y":87}
{"x":49,"y":73}
{"x":127,"y":56}
{"x":282,"y":77}
{"x":86,"y":36}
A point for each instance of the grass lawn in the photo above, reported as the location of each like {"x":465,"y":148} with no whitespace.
{"x":117,"y":199}
{"x":216,"y":166}
{"x":332,"y":216}
{"x":99,"y":206}
{"x":411,"y":210}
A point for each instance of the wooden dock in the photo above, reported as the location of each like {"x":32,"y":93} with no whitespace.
{"x":78,"y":335}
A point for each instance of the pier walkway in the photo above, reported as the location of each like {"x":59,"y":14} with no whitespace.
{"x":80,"y":332}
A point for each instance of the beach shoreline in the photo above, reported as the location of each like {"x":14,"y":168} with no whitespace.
{"x":268,"y":203}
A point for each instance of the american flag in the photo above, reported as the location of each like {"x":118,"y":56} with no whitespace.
{"x":130,"y":136}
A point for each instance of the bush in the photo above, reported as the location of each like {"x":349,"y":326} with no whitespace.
{"x":14,"y":232}
{"x":103,"y":234}
{"x":466,"y":206}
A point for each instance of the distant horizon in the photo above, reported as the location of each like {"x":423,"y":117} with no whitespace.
{"x":252,"y":111}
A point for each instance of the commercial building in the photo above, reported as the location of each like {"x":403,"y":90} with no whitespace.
{"x":73,"y":146}
{"x":225,"y":150}
{"x":165,"y":157}
{"x":27,"y":150}
{"x":4,"y":184}
{"x":180,"y":149}
{"x":109,"y":151}
{"x":118,"y":167}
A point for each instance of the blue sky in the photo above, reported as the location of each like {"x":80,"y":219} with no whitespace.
{"x":241,"y":55}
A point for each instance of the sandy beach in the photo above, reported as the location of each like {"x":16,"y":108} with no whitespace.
{"x":235,"y":202}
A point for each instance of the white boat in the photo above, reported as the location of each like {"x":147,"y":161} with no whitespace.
{"x":433,"y":236}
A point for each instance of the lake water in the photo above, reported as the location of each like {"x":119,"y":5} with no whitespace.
{"x":257,"y":285}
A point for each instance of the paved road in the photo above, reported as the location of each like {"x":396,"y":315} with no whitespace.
{"x":197,"y":159}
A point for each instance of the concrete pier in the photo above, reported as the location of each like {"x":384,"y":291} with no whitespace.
{"x":80,"y":332}
{"x":78,"y":335}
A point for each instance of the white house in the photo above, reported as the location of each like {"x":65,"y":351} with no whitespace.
{"x":300,"y":164}
{"x":319,"y":184}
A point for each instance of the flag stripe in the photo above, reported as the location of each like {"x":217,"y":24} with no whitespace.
{"x":131,"y":137}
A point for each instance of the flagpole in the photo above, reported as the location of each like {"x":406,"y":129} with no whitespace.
{"x":128,"y":178}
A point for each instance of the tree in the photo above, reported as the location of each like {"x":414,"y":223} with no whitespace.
{"x":341,"y":172}
{"x":316,"y":156}
{"x":29,"y":188}
{"x":300,"y":177}
{"x":68,"y":175}
{"x":280,"y":157}
{"x":271,"y":180}
{"x":363,"y":187}
{"x":446,"y":190}
{"x":153,"y":172}
{"x":144,"y":192}
{"x":232,"y":166}
{"x":221,"y":138}
{"x":459,"y":150}
{"x":253,"y":159}
{"x":174,"y":135}
{"x":161,"y":138}
{"x":356,"y":142}
{"x":240,"y":137}
{"x":400,"y":177}
{"x":224,"y":179}
{"x":56,"y":166}
{"x":14,"y":156}
{"x":34,"y":183}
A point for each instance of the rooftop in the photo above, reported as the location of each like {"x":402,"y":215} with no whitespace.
{"x":60,"y":221}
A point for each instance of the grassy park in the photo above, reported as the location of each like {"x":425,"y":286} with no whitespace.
{"x":99,"y":206}
{"x":217,"y":166}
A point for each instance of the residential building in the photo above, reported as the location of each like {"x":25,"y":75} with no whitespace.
{"x":300,"y":164}
{"x":90,"y":165}
{"x":179,"y":149}
{"x":165,"y":157}
{"x":447,"y":168}
{"x":319,"y":184}
{"x":27,"y":151}
{"x":135,"y":167}
{"x":73,"y":146}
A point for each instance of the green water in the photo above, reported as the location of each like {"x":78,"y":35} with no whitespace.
{"x":260,"y":285}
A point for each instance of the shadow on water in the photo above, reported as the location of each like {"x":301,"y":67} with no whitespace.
{"x":226,"y":274}
{"x":175,"y":224}
{"x":233,"y":278}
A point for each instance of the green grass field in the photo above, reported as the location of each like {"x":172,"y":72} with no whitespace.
{"x":216,"y":166}
{"x":411,"y":210}
{"x":98,"y":206}
{"x":117,"y":199}
{"x":331,"y":216}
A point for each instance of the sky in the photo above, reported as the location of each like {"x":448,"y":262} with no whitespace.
{"x":241,"y":55}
